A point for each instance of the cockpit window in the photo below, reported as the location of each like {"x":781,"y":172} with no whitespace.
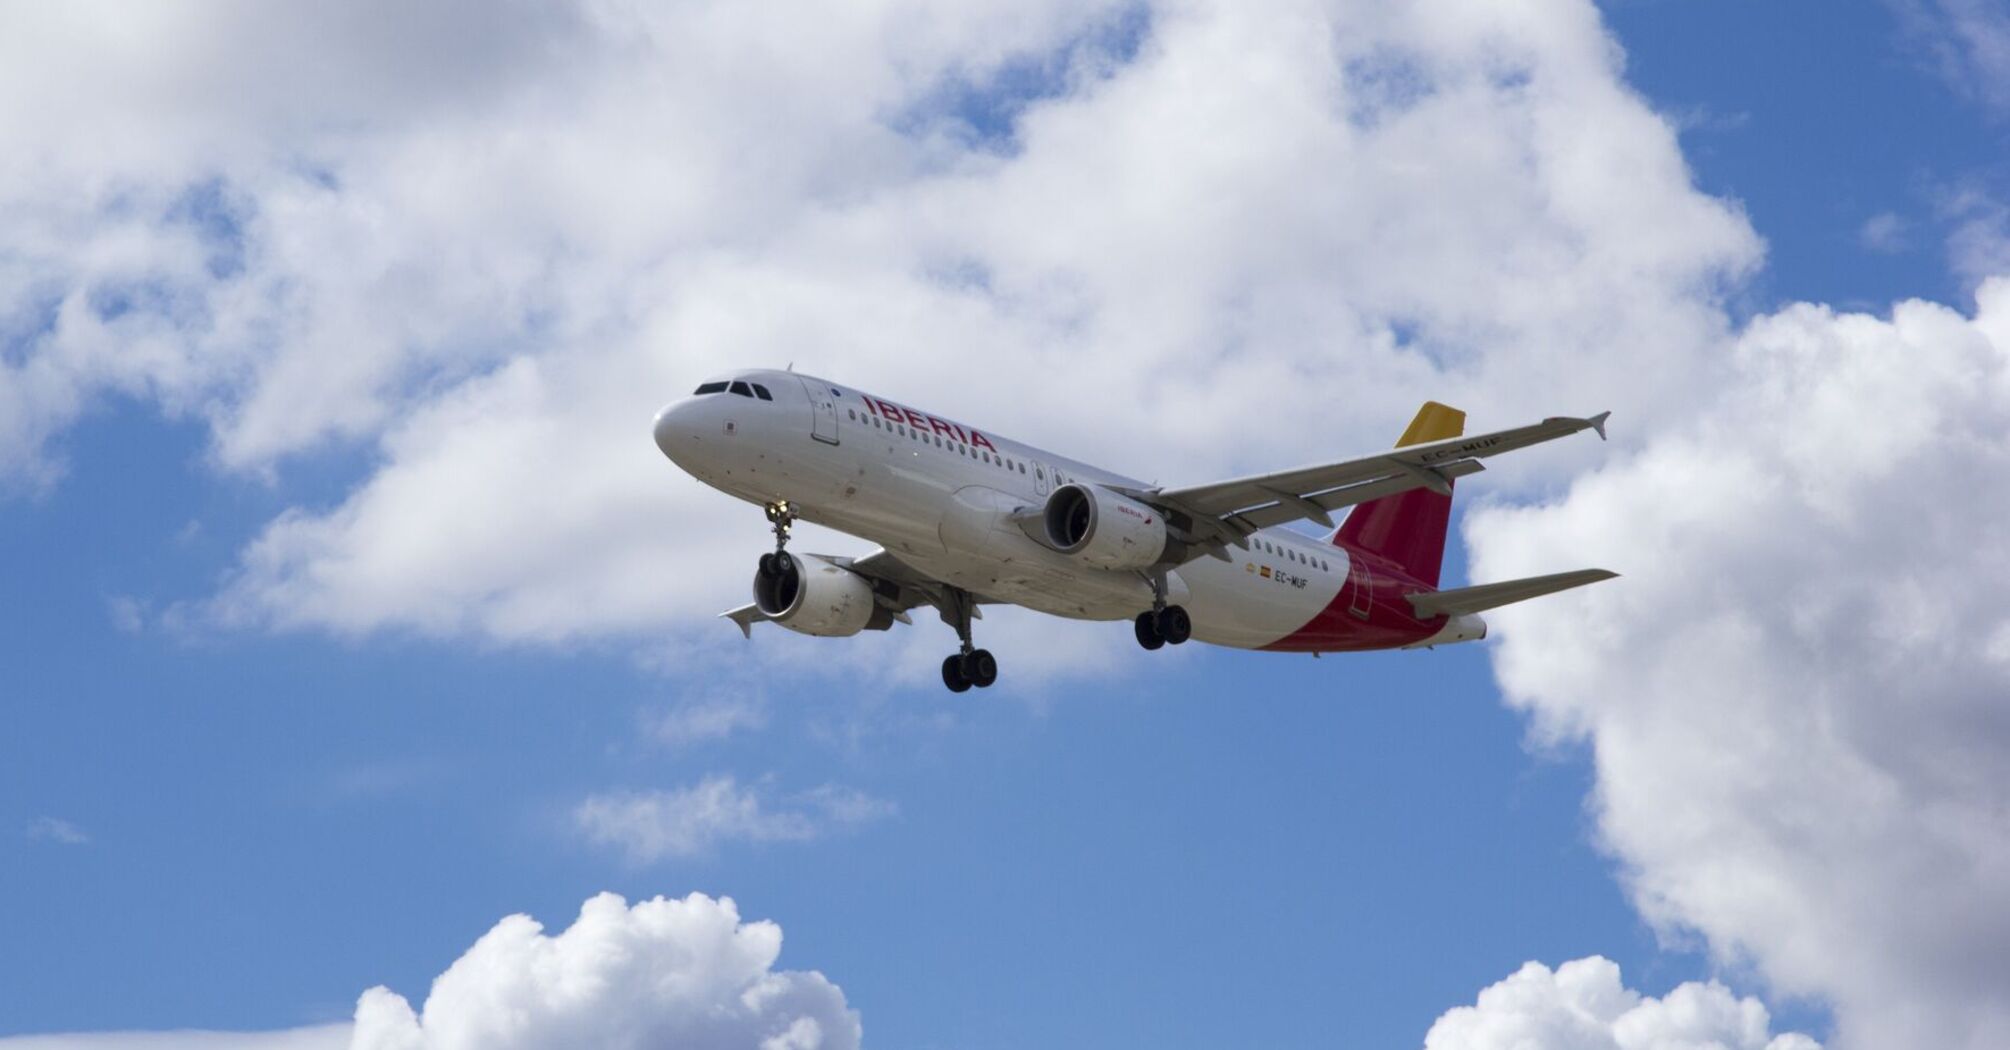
{"x":740,"y":387}
{"x":710,"y":388}
{"x":762,"y":392}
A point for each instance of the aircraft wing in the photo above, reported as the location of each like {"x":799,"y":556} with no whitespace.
{"x":896,"y":585}
{"x":1227,"y":511}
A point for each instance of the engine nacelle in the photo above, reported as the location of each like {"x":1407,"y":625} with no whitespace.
{"x":1103,"y":529}
{"x":814,"y":595}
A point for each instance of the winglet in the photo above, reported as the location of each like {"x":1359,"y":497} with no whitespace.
{"x":1598,"y":423}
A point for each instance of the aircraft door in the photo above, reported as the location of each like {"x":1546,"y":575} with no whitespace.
{"x":823,"y":412}
{"x":1040,"y":478}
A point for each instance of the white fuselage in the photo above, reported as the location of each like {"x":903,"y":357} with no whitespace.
{"x":942,"y":496}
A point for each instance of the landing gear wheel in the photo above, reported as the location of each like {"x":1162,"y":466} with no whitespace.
{"x":771,"y":564}
{"x":952,"y":674}
{"x":980,"y":667}
{"x":1148,"y":631}
{"x":1174,"y":625}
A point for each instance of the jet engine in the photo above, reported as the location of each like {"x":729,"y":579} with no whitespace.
{"x":814,"y":595}
{"x":1103,"y":529}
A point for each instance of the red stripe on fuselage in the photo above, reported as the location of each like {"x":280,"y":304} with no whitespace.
{"x":1388,"y":623}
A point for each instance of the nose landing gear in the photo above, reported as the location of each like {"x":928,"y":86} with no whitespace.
{"x":782,"y":516}
{"x":970,"y":666}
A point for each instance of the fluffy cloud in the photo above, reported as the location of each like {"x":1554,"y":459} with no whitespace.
{"x":490,"y":271}
{"x":318,"y":1037}
{"x":1795,"y":698}
{"x":651,"y":825}
{"x":685,"y":973}
{"x":1583,"y":1005}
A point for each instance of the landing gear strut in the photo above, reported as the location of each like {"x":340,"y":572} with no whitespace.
{"x":970,"y":665}
{"x":782,"y":516}
{"x":1164,"y":624}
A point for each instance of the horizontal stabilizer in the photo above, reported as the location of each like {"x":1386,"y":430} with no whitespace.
{"x":1494,"y":595}
{"x":746,"y":616}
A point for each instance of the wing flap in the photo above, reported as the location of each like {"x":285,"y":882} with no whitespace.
{"x":1462,"y":600}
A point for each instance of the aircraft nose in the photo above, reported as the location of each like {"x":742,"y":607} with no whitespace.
{"x":673,"y":428}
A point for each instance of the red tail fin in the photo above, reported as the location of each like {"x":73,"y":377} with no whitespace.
{"x":1409,"y":527}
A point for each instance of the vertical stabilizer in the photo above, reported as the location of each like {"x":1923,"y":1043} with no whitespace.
{"x":1409,"y":527}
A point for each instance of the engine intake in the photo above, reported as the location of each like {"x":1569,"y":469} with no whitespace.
{"x":1103,"y":529}
{"x":814,"y":595}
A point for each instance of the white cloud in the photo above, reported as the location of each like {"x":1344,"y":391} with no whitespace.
{"x":713,"y":716}
{"x":54,"y":829}
{"x":1796,"y":713}
{"x":1969,"y":40}
{"x":691,"y":821}
{"x":685,"y":973}
{"x":319,"y":1037}
{"x":1978,"y":248}
{"x":1583,"y":1005}
{"x":492,"y":272}
{"x":1885,"y":233}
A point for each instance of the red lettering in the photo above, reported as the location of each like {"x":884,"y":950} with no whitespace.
{"x":915,"y":419}
{"x":889,"y":410}
{"x":940,"y":427}
{"x":981,"y":441}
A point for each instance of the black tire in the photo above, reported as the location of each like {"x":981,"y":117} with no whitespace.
{"x":1175,"y":625}
{"x":768,"y":567}
{"x":1148,"y":631}
{"x":952,"y":675}
{"x":980,"y":667}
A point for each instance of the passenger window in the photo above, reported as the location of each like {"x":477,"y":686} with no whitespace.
{"x":740,"y":389}
{"x":1022,"y":468}
{"x":1040,"y":472}
{"x":711,"y":388}
{"x":762,"y":392}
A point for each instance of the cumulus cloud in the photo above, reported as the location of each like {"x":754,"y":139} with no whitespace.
{"x":652,"y":825}
{"x":685,"y":973}
{"x":318,"y":1037}
{"x":1796,"y":698}
{"x":490,"y":271}
{"x":1583,"y":1005}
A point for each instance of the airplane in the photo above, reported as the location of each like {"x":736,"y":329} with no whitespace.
{"x":966,"y":517}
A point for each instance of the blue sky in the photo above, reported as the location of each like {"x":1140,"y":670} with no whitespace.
{"x":1209,"y":848}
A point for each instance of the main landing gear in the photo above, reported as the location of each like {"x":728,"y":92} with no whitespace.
{"x":970,"y":666}
{"x":1163,"y":624}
